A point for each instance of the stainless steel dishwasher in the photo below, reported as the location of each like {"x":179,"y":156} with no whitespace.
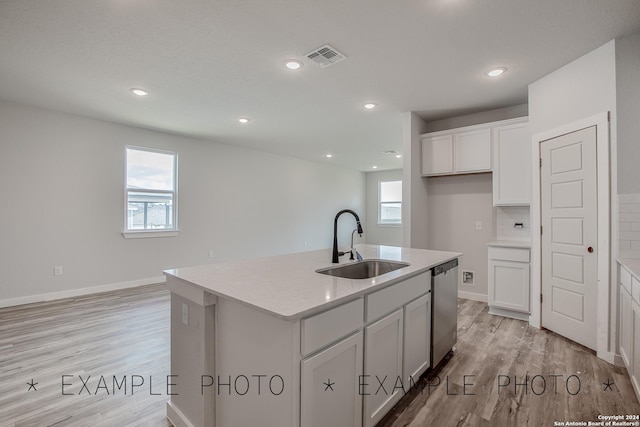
{"x":444,"y":317}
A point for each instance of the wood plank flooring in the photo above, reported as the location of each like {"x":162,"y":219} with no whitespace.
{"x":125,"y":334}
{"x":516,"y":375}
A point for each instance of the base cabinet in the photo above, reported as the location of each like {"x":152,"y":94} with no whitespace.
{"x":382,"y":367}
{"x":509,"y":280}
{"x":329,"y":386}
{"x":417,"y":339}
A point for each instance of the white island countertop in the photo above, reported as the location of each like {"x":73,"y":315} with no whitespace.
{"x":287,"y":286}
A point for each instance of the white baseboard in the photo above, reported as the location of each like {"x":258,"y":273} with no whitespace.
{"x":79,"y":292}
{"x":473,"y":296}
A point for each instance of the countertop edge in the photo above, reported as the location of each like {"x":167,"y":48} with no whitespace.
{"x":324,"y":306}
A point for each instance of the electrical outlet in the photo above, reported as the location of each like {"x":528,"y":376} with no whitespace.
{"x":185,"y":314}
{"x":57,"y":270}
{"x":210,"y":254}
{"x":478,"y":225}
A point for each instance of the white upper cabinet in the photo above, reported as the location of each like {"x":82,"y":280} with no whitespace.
{"x":511,"y":165}
{"x":458,"y":151}
{"x":437,"y":155}
{"x":472,"y":151}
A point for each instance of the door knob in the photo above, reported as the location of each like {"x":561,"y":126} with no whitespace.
{"x":590,"y":249}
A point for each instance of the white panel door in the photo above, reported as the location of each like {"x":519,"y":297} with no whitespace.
{"x":569,"y":239}
{"x":329,"y":391}
{"x":382,"y":367}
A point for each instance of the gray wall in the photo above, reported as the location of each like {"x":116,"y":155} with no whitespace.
{"x":374,"y":233}
{"x":455,"y":204}
{"x":478,"y":118}
{"x":62,"y":181}
{"x":628,"y":109}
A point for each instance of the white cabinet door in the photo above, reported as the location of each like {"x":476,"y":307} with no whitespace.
{"x":472,"y":151}
{"x":509,"y":285}
{"x":330,"y":385}
{"x":626,"y":329}
{"x":511,"y":165}
{"x":382,"y":367}
{"x":437,"y":155}
{"x":417,"y":339}
{"x":634,"y":370}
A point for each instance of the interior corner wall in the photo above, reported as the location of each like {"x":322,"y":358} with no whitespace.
{"x":455,"y":204}
{"x":62,"y":181}
{"x":414,"y":187}
{"x":375,"y":233}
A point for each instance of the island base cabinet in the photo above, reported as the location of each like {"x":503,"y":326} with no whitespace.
{"x":329,"y":389}
{"x":417,"y":339}
{"x":382,"y":380}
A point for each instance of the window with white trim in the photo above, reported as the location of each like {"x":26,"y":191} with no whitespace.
{"x":390,"y":203}
{"x":151,"y":190}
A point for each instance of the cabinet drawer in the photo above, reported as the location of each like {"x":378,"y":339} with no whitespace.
{"x":325,"y":328}
{"x":509,"y":254}
{"x":625,"y":278}
{"x":395,"y":296}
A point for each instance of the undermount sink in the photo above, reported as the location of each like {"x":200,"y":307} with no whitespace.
{"x":363,"y":269}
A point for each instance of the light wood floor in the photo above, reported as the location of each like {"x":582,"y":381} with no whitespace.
{"x":126,"y":334}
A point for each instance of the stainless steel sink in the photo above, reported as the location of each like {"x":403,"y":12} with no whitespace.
{"x":365,"y":269}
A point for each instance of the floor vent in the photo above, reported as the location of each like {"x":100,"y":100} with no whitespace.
{"x":325,"y":56}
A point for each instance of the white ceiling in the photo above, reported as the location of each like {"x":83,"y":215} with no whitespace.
{"x":208,"y":62}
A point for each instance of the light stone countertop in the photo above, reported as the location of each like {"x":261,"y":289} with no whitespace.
{"x":633,"y":265}
{"x":287,"y":286}
{"x":511,"y":244}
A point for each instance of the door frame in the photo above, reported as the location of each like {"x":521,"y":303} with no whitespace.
{"x":601,"y":122}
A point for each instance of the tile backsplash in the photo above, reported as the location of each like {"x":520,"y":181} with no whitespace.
{"x":507,"y":217}
{"x":629,"y":225}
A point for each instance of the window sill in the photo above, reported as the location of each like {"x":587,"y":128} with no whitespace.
{"x":389,"y":225}
{"x":143,"y":234}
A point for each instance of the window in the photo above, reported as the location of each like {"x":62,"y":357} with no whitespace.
{"x":390,"y":206}
{"x":150,"y":190}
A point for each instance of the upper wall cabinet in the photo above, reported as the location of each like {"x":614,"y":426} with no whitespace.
{"x":437,"y":155}
{"x":511,"y":165}
{"x":456,"y":152}
{"x":502,"y":147}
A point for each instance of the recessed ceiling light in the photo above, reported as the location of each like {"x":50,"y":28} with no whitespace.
{"x":398,"y":156}
{"x":243,"y":120}
{"x":293,"y":64}
{"x":496,"y":72}
{"x":328,"y":155}
{"x":374,"y":167}
{"x":139,"y":92}
{"x":369,"y":105}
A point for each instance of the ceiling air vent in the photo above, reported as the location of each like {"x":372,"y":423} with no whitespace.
{"x":325,"y":56}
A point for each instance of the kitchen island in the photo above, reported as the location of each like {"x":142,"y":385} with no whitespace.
{"x":272,"y":342}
